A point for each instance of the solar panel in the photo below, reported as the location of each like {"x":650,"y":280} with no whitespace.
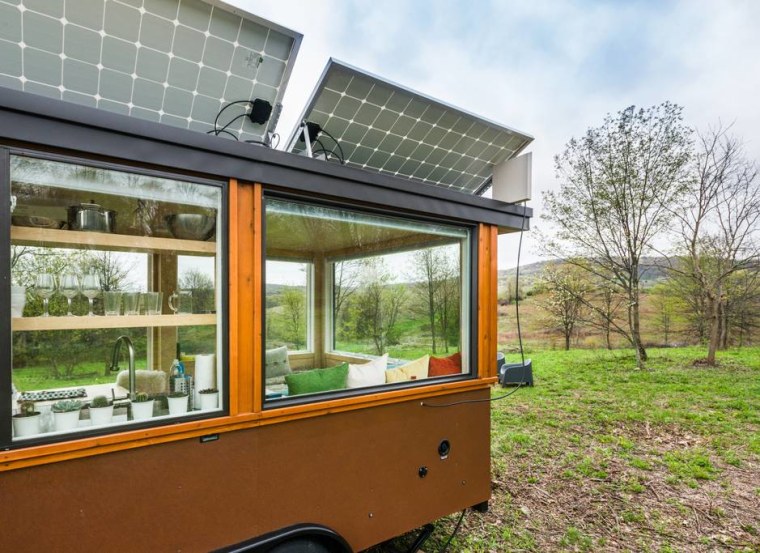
{"x":171,"y":61}
{"x":384,"y":127}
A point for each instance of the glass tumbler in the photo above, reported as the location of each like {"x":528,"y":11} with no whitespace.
{"x":152,"y":302}
{"x":112,"y":303}
{"x":131,"y":303}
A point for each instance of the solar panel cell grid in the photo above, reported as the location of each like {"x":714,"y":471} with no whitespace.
{"x":173,"y":61}
{"x":386,"y":128}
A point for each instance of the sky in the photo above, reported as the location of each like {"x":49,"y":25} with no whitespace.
{"x":551,"y":69}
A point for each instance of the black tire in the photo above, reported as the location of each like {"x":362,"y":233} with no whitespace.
{"x":302,"y":545}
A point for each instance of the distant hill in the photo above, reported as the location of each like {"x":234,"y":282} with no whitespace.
{"x":652,"y":270}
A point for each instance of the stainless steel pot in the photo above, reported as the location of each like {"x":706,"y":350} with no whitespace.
{"x":91,"y":217}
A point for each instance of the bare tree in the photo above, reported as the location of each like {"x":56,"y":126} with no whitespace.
{"x":616,"y":181}
{"x":603,"y":308}
{"x":566,"y":294}
{"x":345,"y":283}
{"x":719,"y":224}
{"x":448,"y":298}
{"x":201,"y":285}
{"x":379,"y":305}
{"x":427,"y":268}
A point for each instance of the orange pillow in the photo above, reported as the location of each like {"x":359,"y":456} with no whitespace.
{"x":442,"y":366}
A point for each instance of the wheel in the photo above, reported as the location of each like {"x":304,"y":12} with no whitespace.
{"x":302,"y":545}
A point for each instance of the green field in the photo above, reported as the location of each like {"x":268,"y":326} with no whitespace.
{"x":600,"y":456}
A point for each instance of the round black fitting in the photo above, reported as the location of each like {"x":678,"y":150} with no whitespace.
{"x":444,"y":448}
{"x":422,"y":472}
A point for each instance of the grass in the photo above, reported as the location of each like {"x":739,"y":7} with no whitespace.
{"x":601,"y":456}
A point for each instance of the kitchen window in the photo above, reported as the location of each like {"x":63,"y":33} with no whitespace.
{"x":116,"y":299}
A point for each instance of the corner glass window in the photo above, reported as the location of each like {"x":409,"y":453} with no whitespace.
{"x":116,"y":299}
{"x":380,"y":300}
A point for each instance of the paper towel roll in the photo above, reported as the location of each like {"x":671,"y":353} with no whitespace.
{"x":205,"y":374}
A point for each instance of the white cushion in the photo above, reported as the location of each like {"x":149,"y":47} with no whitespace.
{"x":367,"y":374}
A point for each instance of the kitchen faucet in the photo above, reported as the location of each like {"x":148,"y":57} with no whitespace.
{"x":115,"y":362}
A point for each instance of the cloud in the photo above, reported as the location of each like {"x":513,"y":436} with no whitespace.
{"x":549,"y":68}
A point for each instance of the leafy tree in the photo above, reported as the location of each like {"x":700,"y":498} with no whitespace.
{"x":294,"y":307}
{"x":719,"y":224}
{"x":378,"y":305}
{"x":666,"y":306}
{"x":566,"y":292}
{"x":616,"y":182}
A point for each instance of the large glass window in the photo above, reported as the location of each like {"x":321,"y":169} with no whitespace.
{"x":116,"y":301}
{"x":379,"y":300}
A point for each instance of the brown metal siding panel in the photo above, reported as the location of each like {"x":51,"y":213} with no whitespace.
{"x":355,"y":472}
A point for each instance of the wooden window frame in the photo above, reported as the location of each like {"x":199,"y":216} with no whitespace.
{"x":245,"y":352}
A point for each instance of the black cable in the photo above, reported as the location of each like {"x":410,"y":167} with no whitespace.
{"x":517,"y":284}
{"x":231,"y":121}
{"x":321,"y":145}
{"x":519,"y":331}
{"x":342,"y":154}
{"x":236,"y":102}
{"x":454,"y":533}
{"x":218,"y":131}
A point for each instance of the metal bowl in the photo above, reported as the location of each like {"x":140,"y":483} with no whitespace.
{"x":36,"y":222}
{"x":191,"y":226}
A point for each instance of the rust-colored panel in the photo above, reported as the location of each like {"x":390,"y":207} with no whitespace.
{"x":356,"y":472}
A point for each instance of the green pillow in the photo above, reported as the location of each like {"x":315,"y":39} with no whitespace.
{"x":317,"y":380}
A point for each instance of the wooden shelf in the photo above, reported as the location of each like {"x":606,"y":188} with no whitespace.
{"x":100,"y":321}
{"x":30,"y":236}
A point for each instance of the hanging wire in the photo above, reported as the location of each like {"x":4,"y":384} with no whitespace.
{"x":519,"y":331}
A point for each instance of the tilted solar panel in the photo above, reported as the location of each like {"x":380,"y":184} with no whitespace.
{"x":384,"y":127}
{"x":173,"y":61}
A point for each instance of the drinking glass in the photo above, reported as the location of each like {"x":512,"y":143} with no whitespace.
{"x":152,"y":301}
{"x":91,"y":288}
{"x":112,"y":303}
{"x":44,"y":287}
{"x":69,"y":286}
{"x":131,"y":303}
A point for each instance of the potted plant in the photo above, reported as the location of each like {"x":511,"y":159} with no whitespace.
{"x":66,"y":414}
{"x":101,"y":411}
{"x":142,"y":406}
{"x":177,"y":403}
{"x":27,"y":421}
{"x":209,"y":399}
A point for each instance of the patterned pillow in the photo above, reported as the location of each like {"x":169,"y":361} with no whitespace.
{"x":417,"y":369}
{"x":276,"y":362}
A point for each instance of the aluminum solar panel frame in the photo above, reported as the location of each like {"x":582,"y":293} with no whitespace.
{"x":385,"y":127}
{"x":171,"y":61}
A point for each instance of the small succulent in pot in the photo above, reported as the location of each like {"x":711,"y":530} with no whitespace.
{"x":177,"y":394}
{"x":66,"y":406}
{"x":209,"y":391}
{"x":99,"y":401}
{"x":141,"y":397}
{"x":101,"y":411}
{"x":26,"y":409}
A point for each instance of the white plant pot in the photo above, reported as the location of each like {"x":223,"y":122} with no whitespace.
{"x":209,"y":401}
{"x":178,"y":405}
{"x":142,"y":410}
{"x":101,"y":415}
{"x":26,"y":426}
{"x":66,"y":421}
